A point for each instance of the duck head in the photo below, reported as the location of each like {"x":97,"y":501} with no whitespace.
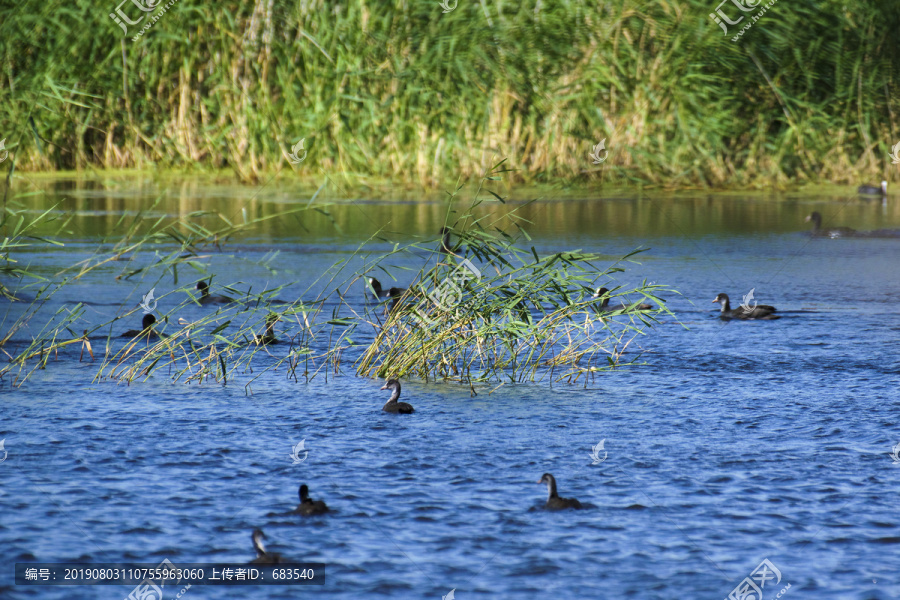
{"x":257,"y":537}
{"x":550,"y":481}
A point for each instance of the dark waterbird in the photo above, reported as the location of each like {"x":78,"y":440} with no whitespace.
{"x":392,"y":406}
{"x":445,"y":241}
{"x":554,"y":502}
{"x":377,"y":291}
{"x":760,"y":311}
{"x":604,"y":306}
{"x":308,"y":506}
{"x":395,"y":294}
{"x":873,"y":190}
{"x":263,"y":557}
{"x":207,"y":298}
{"x":146,"y":329}
{"x":269,"y":336}
{"x":816,"y":219}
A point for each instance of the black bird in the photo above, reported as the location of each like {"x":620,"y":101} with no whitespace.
{"x":269,"y":336}
{"x":760,"y":311}
{"x":833,"y":232}
{"x":392,"y":406}
{"x":873,"y":190}
{"x":308,"y":506}
{"x":445,"y":241}
{"x":395,"y":294}
{"x":263,"y":557}
{"x":554,"y":502}
{"x":375,"y":286}
{"x":604,"y":306}
{"x":207,"y":298}
{"x":147,"y":329}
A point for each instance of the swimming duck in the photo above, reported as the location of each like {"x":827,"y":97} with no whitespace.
{"x":375,"y":286}
{"x":554,"y":502}
{"x":147,"y":329}
{"x":445,"y":242}
{"x":308,"y":506}
{"x":873,"y":190}
{"x":269,"y":336}
{"x":207,"y":298}
{"x":603,"y":293}
{"x":760,"y":311}
{"x":834,"y":232}
{"x":395,"y":294}
{"x":263,"y":557}
{"x":392,"y":406}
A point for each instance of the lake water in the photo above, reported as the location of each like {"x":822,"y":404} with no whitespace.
{"x":737,"y":442}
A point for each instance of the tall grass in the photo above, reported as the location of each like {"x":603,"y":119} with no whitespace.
{"x":403,"y":91}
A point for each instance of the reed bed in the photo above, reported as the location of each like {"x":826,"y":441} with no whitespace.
{"x":514,"y":316}
{"x":197,"y":350}
{"x":403,"y":91}
{"x":490,"y":310}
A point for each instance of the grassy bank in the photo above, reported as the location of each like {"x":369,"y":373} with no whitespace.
{"x":410,"y":93}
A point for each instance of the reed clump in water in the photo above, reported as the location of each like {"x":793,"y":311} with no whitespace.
{"x":489,"y":310}
{"x":217,"y":346}
{"x":486,"y":309}
{"x":519,"y":317}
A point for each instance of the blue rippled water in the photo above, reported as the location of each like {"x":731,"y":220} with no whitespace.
{"x":737,"y":442}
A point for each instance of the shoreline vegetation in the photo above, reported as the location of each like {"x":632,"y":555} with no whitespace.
{"x":411,"y":95}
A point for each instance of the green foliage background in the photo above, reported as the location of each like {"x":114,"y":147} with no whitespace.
{"x":403,"y":91}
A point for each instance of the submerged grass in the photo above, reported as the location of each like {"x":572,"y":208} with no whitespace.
{"x":404,"y":91}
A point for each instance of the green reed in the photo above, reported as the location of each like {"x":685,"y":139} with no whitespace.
{"x":405,"y":92}
{"x":525,"y":317}
{"x":197,"y":350}
{"x":490,"y":310}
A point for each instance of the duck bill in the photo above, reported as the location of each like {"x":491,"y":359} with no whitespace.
{"x":384,"y":387}
{"x":715,"y":300}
